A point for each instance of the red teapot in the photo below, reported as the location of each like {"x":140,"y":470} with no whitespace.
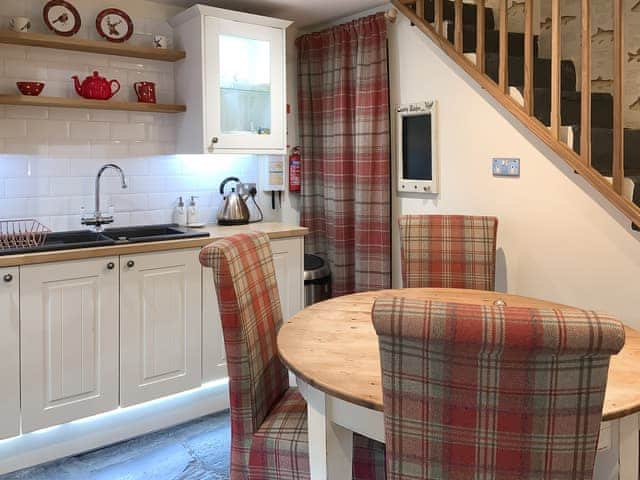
{"x":96,"y":87}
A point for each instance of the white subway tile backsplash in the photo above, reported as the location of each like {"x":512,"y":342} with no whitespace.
{"x":24,"y":70}
{"x":89,"y":130}
{"x":16,"y":111}
{"x":27,"y":187}
{"x":48,"y":129}
{"x":108,"y":116}
{"x":128,"y":131}
{"x":49,"y":157}
{"x":11,"y":128}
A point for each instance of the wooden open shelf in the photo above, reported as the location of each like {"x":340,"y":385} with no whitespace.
{"x":59,"y":102}
{"x":90,"y":46}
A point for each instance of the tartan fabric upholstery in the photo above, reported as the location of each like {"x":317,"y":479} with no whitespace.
{"x":268,"y":418}
{"x":448,"y":251}
{"x":474,"y":391}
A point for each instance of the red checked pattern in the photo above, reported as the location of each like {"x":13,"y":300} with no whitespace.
{"x":474,"y":391}
{"x":268,"y":419}
{"x":448,"y":251}
{"x":343,"y":105}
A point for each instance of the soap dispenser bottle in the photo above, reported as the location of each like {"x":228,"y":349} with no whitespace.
{"x":180,"y":213}
{"x":192,"y":213}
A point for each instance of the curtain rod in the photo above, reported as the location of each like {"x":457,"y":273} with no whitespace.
{"x":391,"y":15}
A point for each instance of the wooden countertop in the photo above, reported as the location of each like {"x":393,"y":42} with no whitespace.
{"x":333,"y":346}
{"x":273,"y":229}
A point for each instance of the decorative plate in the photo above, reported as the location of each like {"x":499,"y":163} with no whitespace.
{"x":61,"y":17}
{"x":114,"y":25}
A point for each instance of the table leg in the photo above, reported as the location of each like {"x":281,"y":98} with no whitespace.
{"x":330,"y":445}
{"x":629,"y":447}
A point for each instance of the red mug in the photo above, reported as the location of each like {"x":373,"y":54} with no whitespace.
{"x":146,"y":91}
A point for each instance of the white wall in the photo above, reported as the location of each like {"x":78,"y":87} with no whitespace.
{"x":557,"y":238}
{"x":49,"y":157}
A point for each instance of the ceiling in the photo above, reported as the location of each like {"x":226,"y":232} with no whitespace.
{"x":303,"y":12}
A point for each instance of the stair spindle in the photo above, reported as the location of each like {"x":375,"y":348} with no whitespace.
{"x":555,"y":68}
{"x":503,"y":72}
{"x":528,"y":57}
{"x":458,"y":25}
{"x":480,"y":35}
{"x":420,"y":9}
{"x":618,"y":128}
{"x":438,"y":14}
{"x":585,"y":114}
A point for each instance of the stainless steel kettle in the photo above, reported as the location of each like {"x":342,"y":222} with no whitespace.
{"x":234,"y":210}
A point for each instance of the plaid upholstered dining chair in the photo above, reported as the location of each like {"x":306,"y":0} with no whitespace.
{"x":508,"y":393}
{"x":448,"y":251}
{"x":268,"y":418}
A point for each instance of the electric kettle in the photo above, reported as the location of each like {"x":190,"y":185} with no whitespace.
{"x":234,"y":210}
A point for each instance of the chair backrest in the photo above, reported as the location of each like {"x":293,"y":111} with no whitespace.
{"x":448,"y":251}
{"x":251,"y":315}
{"x":475,"y":391}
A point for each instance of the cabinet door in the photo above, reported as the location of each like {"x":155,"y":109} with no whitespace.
{"x":288,"y":263}
{"x":69,"y":341}
{"x":287,"y":260}
{"x":10,"y":348}
{"x":160,"y":324}
{"x":244,"y":96}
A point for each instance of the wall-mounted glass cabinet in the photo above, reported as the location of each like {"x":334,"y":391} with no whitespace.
{"x":232,"y":81}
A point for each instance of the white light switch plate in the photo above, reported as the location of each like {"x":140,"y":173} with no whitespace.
{"x":506,"y":167}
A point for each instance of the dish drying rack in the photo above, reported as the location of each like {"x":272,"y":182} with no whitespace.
{"x":23,"y":233}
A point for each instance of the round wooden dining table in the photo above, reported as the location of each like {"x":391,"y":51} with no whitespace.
{"x":332,"y":349}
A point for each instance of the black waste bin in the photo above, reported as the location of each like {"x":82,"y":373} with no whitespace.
{"x":317,"y":279}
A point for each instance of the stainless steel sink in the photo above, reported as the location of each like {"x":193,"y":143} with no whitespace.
{"x":152,"y":233}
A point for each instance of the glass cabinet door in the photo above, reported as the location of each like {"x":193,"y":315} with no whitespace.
{"x":245,"y":85}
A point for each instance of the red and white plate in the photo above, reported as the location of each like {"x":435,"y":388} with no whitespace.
{"x":61,"y":17}
{"x":114,"y":25}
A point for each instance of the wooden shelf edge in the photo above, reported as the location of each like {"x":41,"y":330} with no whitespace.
{"x":89,"y":46}
{"x":60,"y":102}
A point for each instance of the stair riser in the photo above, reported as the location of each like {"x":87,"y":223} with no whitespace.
{"x":571,"y":109}
{"x":541,"y":72}
{"x":492,"y":41}
{"x":468,"y":13}
{"x":602,"y":150}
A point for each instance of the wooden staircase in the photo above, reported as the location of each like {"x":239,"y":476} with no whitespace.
{"x":546,"y":94}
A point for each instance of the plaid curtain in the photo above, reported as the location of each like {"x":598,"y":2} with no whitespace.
{"x":344,"y":129}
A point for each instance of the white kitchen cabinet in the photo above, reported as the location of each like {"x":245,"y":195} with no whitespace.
{"x":288,"y":264}
{"x":10,"y":348}
{"x":232,"y":82}
{"x":68,"y":341}
{"x":160,"y":324}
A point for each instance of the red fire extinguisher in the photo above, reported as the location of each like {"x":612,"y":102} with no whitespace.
{"x":295,"y":170}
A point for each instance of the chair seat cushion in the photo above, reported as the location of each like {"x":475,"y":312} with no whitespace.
{"x":280,"y":447}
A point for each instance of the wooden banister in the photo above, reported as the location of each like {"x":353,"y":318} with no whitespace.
{"x":503,"y":68}
{"x":618,"y":132}
{"x":457,"y":38}
{"x":480,"y":35}
{"x":555,"y":68}
{"x":500,"y":93}
{"x":585,"y":114}
{"x":528,"y":57}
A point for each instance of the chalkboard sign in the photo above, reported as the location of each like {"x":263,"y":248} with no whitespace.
{"x":417,"y":170}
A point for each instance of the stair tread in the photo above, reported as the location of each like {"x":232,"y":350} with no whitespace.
{"x":468,"y":13}
{"x":492,"y":40}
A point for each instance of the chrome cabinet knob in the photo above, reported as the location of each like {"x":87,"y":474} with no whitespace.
{"x":111,"y":265}
{"x":214,"y":140}
{"x":8,"y":277}
{"x":131,"y":264}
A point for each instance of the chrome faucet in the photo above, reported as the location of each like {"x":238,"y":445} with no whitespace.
{"x":98,"y":219}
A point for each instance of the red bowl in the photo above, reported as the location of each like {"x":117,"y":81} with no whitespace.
{"x":30,"y":88}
